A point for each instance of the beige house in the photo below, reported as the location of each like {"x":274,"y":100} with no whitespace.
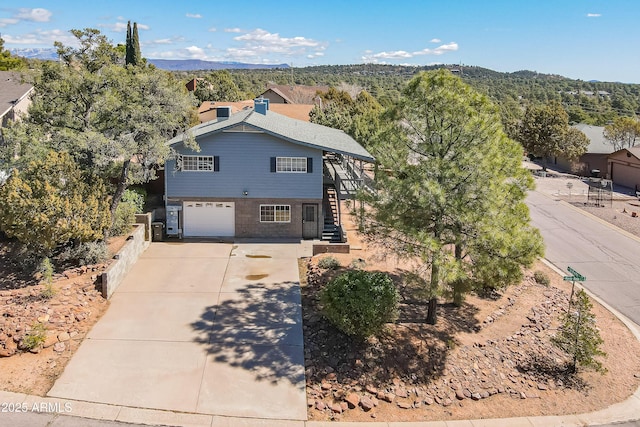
{"x":14,"y":96}
{"x":624,"y":167}
{"x":595,"y":159}
{"x":292,"y":94}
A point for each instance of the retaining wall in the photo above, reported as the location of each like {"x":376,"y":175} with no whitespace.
{"x":124,"y":260}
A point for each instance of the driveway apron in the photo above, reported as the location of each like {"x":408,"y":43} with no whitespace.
{"x":205,"y":328}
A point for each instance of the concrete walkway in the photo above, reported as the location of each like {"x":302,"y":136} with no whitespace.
{"x":202,"y":328}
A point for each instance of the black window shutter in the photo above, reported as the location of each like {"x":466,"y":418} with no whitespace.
{"x":309,"y":164}
{"x":273,"y":164}
{"x":216,"y":163}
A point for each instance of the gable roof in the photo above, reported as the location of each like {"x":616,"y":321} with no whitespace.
{"x":598,"y":144}
{"x":12,"y":90}
{"x":296,"y":94}
{"x":292,"y":130}
{"x":634,"y":151}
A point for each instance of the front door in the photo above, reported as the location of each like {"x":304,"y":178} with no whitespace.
{"x":309,"y":221}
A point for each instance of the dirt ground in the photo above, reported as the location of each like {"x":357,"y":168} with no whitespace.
{"x":490,"y":358}
{"x":68,"y":315}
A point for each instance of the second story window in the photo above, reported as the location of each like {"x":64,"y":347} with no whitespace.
{"x":198,"y":163}
{"x":291,"y":164}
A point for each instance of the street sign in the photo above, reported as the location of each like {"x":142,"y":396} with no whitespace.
{"x":577,"y":277}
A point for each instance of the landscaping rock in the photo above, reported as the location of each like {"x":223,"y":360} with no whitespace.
{"x":353,"y":400}
{"x":366,"y":403}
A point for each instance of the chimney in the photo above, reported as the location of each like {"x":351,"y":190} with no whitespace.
{"x":261,"y":105}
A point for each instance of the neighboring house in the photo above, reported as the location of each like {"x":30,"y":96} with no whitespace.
{"x":257,"y":174}
{"x":292,"y":94}
{"x":595,"y":159}
{"x":624,"y":167}
{"x":209,"y":110}
{"x":14,"y":96}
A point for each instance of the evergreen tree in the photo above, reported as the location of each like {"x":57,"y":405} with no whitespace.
{"x":136,"y":58}
{"x":8,"y":62}
{"x":579,"y":336}
{"x":129,"y":50}
{"x":453,"y":188}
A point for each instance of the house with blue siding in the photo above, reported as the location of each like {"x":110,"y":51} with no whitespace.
{"x":254,"y":173}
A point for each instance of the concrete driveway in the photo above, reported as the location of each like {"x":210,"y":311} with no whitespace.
{"x":206,"y":328}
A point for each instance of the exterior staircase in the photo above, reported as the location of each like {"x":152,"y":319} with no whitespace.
{"x":332,"y":230}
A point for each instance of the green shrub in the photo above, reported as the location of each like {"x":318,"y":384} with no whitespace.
{"x":89,"y":253}
{"x":132,"y":203}
{"x":329,"y":263}
{"x":541,"y":278}
{"x":46,"y":269}
{"x":35,"y":338}
{"x":360,"y":303}
{"x":136,"y":197}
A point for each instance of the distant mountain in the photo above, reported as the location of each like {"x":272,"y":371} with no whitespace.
{"x":197,"y":64}
{"x":47,"y":53}
{"x":164,"y":64}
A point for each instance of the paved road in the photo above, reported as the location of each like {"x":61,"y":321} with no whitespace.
{"x":609,"y":259}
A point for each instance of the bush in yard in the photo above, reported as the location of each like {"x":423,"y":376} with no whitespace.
{"x":131,"y":204}
{"x":360,"y":303}
{"x":46,"y":268}
{"x":329,"y":263}
{"x":35,"y":338}
{"x":541,"y":278}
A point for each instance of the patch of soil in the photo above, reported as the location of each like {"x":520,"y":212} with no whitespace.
{"x":66,"y":317}
{"x":491,"y":357}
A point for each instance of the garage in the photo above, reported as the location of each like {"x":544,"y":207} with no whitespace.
{"x":209,"y":219}
{"x":624,"y":167}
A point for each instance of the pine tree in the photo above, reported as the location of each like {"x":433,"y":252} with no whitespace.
{"x":453,"y":188}
{"x":578,"y":335}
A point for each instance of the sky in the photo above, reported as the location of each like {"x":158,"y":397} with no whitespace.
{"x":579,"y":39}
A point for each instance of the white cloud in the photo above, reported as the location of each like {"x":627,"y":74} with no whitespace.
{"x":213,"y":29}
{"x":435,"y":41}
{"x":371,"y":57}
{"x":261,"y":43}
{"x":163,"y":42}
{"x":196,"y":52}
{"x":194,"y":15}
{"x":232,"y":30}
{"x":41,"y":37}
{"x":594,"y":15}
{"x":8,"y":21}
{"x":35,"y":15}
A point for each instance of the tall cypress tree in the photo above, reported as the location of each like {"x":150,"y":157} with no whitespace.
{"x":129,"y":50}
{"x":136,"y":56}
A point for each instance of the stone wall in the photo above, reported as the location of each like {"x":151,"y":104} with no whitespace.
{"x":124,"y":260}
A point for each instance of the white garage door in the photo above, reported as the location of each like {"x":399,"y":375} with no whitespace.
{"x":208,"y":219}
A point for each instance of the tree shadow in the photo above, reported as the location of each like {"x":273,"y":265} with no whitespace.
{"x":544,"y":368}
{"x":12,"y":276}
{"x":257,"y":328}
